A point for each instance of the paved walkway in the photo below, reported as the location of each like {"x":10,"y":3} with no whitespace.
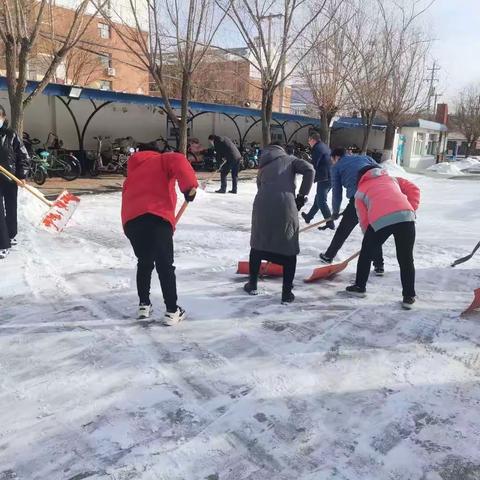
{"x":106,"y":183}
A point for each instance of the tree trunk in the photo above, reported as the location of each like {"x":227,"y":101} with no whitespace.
{"x":389,"y":136}
{"x":325,"y":127}
{"x":183,"y":127}
{"x":389,"y":140}
{"x":367,"y":130}
{"x":16,"y":115}
{"x":267,"y":107}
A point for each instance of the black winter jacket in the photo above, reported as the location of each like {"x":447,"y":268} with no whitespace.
{"x":321,"y":162}
{"x":13,"y":154}
{"x":226,"y":149}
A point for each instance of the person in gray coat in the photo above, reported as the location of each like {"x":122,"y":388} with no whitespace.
{"x":275,"y":223}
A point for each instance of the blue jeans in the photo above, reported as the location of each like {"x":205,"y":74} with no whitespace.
{"x":320,"y":202}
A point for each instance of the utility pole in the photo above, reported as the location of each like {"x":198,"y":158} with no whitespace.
{"x":432,"y":80}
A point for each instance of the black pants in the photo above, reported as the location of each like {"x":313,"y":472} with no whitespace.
{"x":404,"y":234}
{"x":8,"y":212}
{"x":348,"y":222}
{"x":288,"y":262}
{"x":230,"y":165}
{"x":152,"y":241}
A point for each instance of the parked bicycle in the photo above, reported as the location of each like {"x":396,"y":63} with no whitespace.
{"x":251,"y":155}
{"x":51,"y":160}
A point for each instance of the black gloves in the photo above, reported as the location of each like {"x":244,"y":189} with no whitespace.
{"x":335,"y":216}
{"x":300,"y":200}
{"x":190,"y":195}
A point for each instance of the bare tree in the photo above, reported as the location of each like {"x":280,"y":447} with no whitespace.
{"x":377,"y":42}
{"x":324,"y":70}
{"x":21,"y":25}
{"x":467,"y":116}
{"x":181,"y":33}
{"x":405,"y":94}
{"x":269,"y":52}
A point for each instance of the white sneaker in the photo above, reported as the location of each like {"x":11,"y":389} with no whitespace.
{"x":144,"y":311}
{"x":170,"y":319}
{"x":4,"y":253}
{"x":13,"y":242}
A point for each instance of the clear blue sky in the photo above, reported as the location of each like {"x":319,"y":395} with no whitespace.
{"x":455,"y":24}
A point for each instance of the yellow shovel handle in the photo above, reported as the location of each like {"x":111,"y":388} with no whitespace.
{"x":33,"y":191}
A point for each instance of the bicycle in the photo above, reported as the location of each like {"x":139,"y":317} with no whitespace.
{"x":46,"y":163}
{"x":97,"y":165}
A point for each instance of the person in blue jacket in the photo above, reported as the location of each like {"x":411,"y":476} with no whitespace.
{"x":322,"y":164}
{"x":345,"y":174}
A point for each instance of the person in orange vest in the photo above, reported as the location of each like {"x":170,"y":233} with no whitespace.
{"x":148,"y":218}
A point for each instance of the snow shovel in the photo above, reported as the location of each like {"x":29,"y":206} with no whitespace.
{"x":328,"y":271}
{"x":269,"y":269}
{"x":475,"y":304}
{"x":209,"y":178}
{"x":60,"y":211}
{"x":468,"y":257}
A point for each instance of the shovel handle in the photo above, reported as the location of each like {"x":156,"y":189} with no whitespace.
{"x":306,"y":229}
{"x":349,"y":259}
{"x":184,"y":206}
{"x":33,"y":191}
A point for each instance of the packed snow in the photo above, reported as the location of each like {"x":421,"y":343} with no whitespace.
{"x":458,"y":167}
{"x":327,"y":388}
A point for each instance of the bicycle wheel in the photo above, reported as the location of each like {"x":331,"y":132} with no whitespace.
{"x":71,"y":167}
{"x":39,"y":176}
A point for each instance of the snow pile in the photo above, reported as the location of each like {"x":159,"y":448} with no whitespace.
{"x":445,"y":168}
{"x":393,"y":169}
{"x":460,"y":167}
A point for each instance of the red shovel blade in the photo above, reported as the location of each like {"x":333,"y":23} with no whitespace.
{"x":328,"y":271}
{"x":61,"y":211}
{"x":475,"y":304}
{"x":267,"y":269}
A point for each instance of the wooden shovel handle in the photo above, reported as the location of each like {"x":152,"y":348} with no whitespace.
{"x":184,"y":206}
{"x":33,"y":191}
{"x":305,"y":229}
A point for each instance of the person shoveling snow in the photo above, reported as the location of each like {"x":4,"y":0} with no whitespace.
{"x":14,"y":159}
{"x":148,"y":218}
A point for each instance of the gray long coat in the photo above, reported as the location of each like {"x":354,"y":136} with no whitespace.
{"x":275,"y":216}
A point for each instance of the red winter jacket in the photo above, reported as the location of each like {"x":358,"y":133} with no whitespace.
{"x":150,"y":184}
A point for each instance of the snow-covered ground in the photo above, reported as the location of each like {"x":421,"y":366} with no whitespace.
{"x":327,"y":388}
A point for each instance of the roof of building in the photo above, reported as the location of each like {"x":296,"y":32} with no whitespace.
{"x":55,"y":89}
{"x":427,"y":125}
{"x":357,"y":122}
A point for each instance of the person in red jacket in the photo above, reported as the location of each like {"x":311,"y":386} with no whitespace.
{"x":148,"y":218}
{"x":386,"y":206}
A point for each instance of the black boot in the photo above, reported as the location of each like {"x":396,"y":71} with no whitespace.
{"x":287,"y":294}
{"x":251,"y":288}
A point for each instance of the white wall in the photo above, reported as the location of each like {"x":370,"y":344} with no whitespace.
{"x":411,"y":160}
{"x":143,"y":123}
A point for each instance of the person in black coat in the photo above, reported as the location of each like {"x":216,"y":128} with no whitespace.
{"x":228,"y":153}
{"x":322,"y":163}
{"x":14,"y":158}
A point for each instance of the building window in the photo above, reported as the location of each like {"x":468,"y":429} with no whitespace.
{"x":105,"y":85}
{"x":432,"y":144}
{"x":105,"y":60}
{"x":104,"y":30}
{"x":419,"y":144}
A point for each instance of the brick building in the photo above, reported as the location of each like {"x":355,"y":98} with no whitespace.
{"x":226,"y":79}
{"x":100,"y":59}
